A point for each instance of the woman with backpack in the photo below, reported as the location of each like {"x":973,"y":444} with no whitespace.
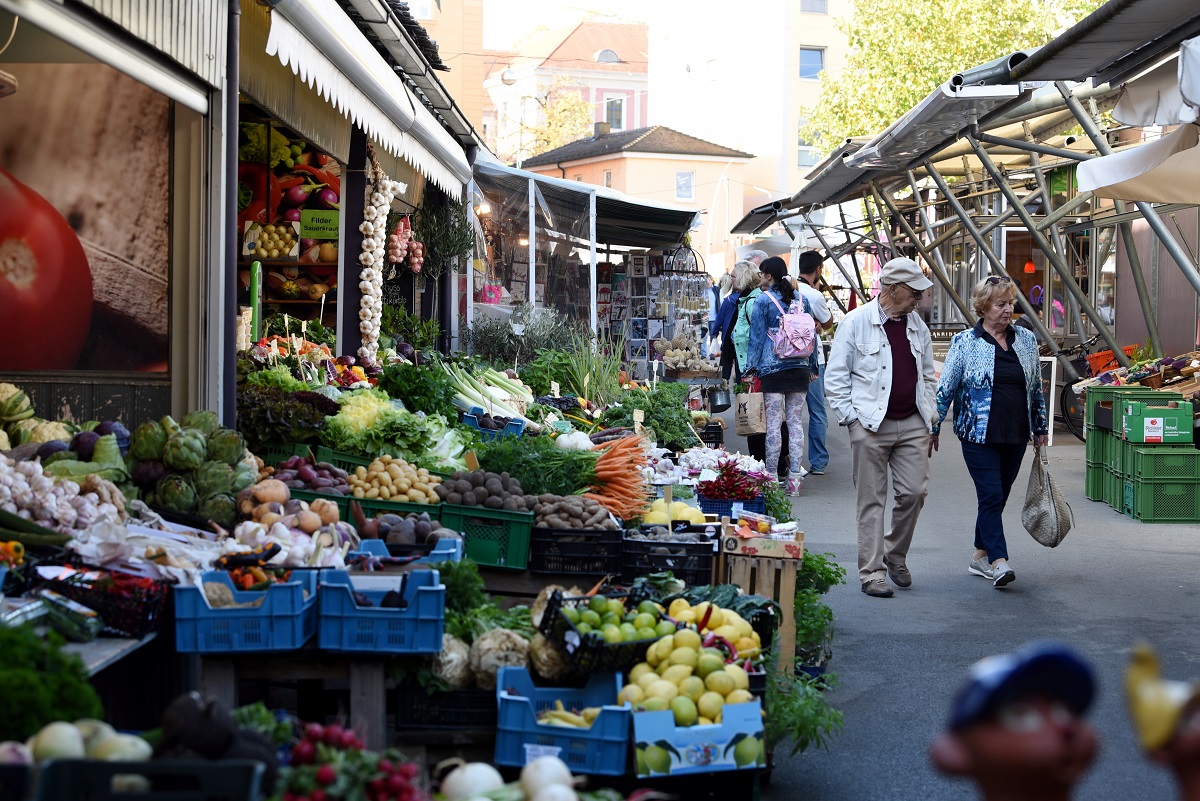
{"x":783,"y":355}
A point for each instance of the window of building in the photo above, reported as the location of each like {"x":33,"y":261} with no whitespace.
{"x":614,"y":113}
{"x":579,"y":178}
{"x":812,"y":62}
{"x":813,"y":7}
{"x":806,"y":154}
{"x":606,"y":56}
{"x":608,"y":178}
{"x":420,"y":9}
{"x":685,"y":185}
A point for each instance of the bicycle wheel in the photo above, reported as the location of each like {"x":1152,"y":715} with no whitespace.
{"x":1071,"y":408}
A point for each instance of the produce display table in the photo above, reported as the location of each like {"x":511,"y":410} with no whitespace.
{"x":220,"y":673}
{"x":105,"y":651}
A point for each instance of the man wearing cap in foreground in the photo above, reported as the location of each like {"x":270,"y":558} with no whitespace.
{"x":1017,"y":727}
{"x":879,"y":381}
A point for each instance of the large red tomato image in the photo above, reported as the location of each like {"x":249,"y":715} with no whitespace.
{"x":45,"y":283}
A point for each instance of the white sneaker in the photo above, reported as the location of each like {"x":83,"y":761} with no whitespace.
{"x":980,"y":567}
{"x":1002,"y":574}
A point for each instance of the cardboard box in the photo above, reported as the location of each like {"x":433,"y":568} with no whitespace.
{"x":1169,"y":422}
{"x":764,"y":546}
{"x":699,"y":749}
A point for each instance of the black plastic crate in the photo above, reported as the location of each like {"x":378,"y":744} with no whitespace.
{"x":713,"y":435}
{"x":589,"y":654}
{"x":584,"y":553}
{"x":165,"y":780}
{"x":459,"y":709}
{"x":691,"y":562}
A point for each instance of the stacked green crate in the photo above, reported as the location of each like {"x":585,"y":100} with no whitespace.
{"x":1109,"y":454}
{"x":1163,"y":484}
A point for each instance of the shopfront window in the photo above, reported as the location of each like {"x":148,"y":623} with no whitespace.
{"x":1105,"y":279}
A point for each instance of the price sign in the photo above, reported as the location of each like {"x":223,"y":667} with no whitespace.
{"x":554,"y":388}
{"x":735,"y":510}
{"x":586,"y":378}
{"x":551,"y":419}
{"x":472,"y":460}
{"x":639,"y":416}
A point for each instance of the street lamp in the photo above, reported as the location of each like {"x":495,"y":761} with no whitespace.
{"x":509,"y":78}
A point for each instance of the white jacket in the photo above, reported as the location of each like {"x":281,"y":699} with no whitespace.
{"x":860,"y":364}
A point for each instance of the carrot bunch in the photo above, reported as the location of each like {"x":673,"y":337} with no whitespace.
{"x":619,"y":485}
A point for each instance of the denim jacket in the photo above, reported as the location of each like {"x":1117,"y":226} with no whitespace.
{"x":764,"y":318}
{"x":741,"y":327}
{"x":967,"y":383}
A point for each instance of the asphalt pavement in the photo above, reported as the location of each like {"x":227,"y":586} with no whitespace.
{"x":899,"y":660}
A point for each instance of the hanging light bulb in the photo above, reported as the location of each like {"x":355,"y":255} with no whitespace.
{"x":1030,"y":267}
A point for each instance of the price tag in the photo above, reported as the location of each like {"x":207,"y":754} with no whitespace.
{"x":551,"y":419}
{"x":533,"y":751}
{"x":639,"y":416}
{"x":735,"y":510}
{"x":554,"y":388}
{"x":472,"y":460}
{"x":707,"y":475}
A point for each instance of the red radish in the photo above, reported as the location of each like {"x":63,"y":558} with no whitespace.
{"x":326,"y":775}
{"x":45,"y":282}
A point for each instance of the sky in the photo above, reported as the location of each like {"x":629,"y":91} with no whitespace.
{"x":505,"y":22}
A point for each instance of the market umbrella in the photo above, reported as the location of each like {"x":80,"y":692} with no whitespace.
{"x":1164,"y":171}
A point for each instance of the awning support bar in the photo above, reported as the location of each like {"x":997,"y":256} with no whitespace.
{"x":998,"y":269}
{"x":817,"y":233}
{"x":1056,"y":262}
{"x":1064,"y":210}
{"x":1032,"y":147}
{"x":1152,"y":219}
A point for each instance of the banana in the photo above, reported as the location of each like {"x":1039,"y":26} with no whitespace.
{"x":590,"y":714}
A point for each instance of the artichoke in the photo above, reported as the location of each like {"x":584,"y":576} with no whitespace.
{"x":244,"y":475}
{"x":213,"y":478}
{"x":185,"y":450}
{"x":169,"y":425}
{"x":148,"y":441}
{"x":175,"y":492}
{"x":219,"y":508}
{"x":202,"y":419}
{"x":227,"y":446}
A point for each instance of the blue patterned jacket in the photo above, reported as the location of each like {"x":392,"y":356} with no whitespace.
{"x":966,"y":381}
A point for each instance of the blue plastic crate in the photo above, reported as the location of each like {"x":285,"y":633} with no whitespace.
{"x":515,"y":428}
{"x":285,"y":621}
{"x":446,"y":550}
{"x":416,"y":629}
{"x":722,"y":507}
{"x":602,"y":750}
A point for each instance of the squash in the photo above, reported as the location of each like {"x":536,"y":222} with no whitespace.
{"x":317,"y":290}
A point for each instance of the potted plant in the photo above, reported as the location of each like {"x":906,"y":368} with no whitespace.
{"x":814,"y":618}
{"x":797,"y":710}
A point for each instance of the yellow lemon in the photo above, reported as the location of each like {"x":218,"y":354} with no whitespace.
{"x":656,"y":704}
{"x":707,"y":663}
{"x":687,"y":638}
{"x":662,"y":689}
{"x":746,"y":752}
{"x":632,"y":694}
{"x":663,"y":648}
{"x":714,"y":613}
{"x":639,"y":670}
{"x":677,"y":606}
{"x":745,"y":644}
{"x":710,"y":705}
{"x":739,"y":697}
{"x":692,"y":687}
{"x":721,"y":682}
{"x":686,"y":616}
{"x":703,"y":721}
{"x":658,"y":760}
{"x":646,"y":679}
{"x":684,"y":656}
{"x":726,"y":632}
{"x":740,"y":680}
{"x":677,"y":673}
{"x":685,"y":710}
{"x":652,"y":656}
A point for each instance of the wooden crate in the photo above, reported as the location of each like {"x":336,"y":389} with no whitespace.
{"x":771,"y":576}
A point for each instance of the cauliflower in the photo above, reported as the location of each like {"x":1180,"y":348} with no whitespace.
{"x":4,"y":443}
{"x":7,"y":391}
{"x":452,"y":665}
{"x":46,"y":431}
{"x":497,"y":648}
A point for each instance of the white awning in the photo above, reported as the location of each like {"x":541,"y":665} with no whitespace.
{"x":1164,"y":171}
{"x":327,"y":51}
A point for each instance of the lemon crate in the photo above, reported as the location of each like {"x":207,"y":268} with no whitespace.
{"x":1155,"y":462}
{"x":736,"y":743}
{"x":584,"y":553}
{"x":1093,"y":481}
{"x":285,"y":619}
{"x":1162,"y":501}
{"x":602,"y":749}
{"x":493,"y":537}
{"x":723,"y":507}
{"x":416,"y":628}
{"x":588,"y":654}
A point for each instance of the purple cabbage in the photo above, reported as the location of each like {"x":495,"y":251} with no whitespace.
{"x":148,"y":473}
{"x":84,"y":443}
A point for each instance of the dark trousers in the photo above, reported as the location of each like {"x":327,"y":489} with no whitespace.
{"x":993,"y":468}
{"x":757,"y":445}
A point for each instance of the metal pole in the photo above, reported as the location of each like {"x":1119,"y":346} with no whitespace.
{"x":532,"y":197}
{"x":592,"y":251}
{"x":1139,"y":283}
{"x":1156,"y":225}
{"x":923,"y":213}
{"x":875,"y":231}
{"x":853,"y":249}
{"x":1059,"y":267}
{"x":1064,"y":210}
{"x":998,"y":268}
{"x":935,"y":266}
{"x":817,"y":233}
{"x":1033,"y":147}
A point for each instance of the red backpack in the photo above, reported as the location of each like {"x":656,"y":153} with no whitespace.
{"x":796,"y":336}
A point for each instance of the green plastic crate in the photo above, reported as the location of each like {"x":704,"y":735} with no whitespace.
{"x":1165,"y":501}
{"x":1095,"y":443}
{"x":492,"y":537}
{"x":1114,"y":453}
{"x":275,"y":453}
{"x":1156,"y":462}
{"x":1114,"y":489}
{"x":346,"y":461}
{"x":1098,"y":394}
{"x":373,"y":507}
{"x":1093,"y":482}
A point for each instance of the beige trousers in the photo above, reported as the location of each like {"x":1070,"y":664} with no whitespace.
{"x":901,"y":446}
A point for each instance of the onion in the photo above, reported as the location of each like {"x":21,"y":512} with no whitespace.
{"x":472,"y":779}
{"x":543,"y":773}
{"x":556,"y":792}
{"x":14,"y":753}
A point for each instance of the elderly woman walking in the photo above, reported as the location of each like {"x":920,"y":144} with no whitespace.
{"x":993,"y":377}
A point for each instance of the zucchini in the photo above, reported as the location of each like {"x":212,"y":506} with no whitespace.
{"x":71,"y":619}
{"x":49,"y":538}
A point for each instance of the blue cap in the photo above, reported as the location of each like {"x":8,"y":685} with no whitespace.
{"x":1037,"y":668}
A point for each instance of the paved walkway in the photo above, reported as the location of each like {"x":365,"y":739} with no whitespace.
{"x":899,"y":660}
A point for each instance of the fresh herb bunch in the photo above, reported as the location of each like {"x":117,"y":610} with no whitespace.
{"x":313,"y":331}
{"x":594,"y":368}
{"x":814,"y":625}
{"x":464,"y":586}
{"x":278,"y":727}
{"x":665,"y":408}
{"x":420,"y":389}
{"x":279,"y":377}
{"x":268,"y":415}
{"x":470,"y":625}
{"x":799,"y":710}
{"x":40,"y":683}
{"x":819,"y":572}
{"x":539,"y":465}
{"x":446,"y":232}
{"x":396,"y":322}
{"x":546,"y":367}
{"x":492,"y":340}
{"x":779,"y":505}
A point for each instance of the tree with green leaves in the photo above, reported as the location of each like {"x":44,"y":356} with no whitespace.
{"x":565,"y":117}
{"x":900,"y":51}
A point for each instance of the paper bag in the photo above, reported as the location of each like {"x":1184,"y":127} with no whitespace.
{"x":751,"y":415}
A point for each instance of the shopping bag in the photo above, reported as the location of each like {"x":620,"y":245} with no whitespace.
{"x":751,"y":415}
{"x":1046,"y":514}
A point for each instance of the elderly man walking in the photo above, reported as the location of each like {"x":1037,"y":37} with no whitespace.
{"x":880,"y":383}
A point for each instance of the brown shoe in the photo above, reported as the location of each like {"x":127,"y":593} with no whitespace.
{"x":877,"y":588}
{"x":899,"y":574}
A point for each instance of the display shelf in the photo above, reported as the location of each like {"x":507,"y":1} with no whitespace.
{"x":320,"y":265}
{"x":273,"y":302}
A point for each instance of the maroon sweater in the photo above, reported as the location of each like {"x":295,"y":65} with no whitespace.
{"x":902,"y":400}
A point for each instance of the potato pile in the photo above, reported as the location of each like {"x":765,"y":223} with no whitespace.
{"x":413,"y":529}
{"x":391,"y":479}
{"x":572,"y":512}
{"x":490,"y":490}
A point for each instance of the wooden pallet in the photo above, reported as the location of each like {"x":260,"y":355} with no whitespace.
{"x":774,"y":577}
